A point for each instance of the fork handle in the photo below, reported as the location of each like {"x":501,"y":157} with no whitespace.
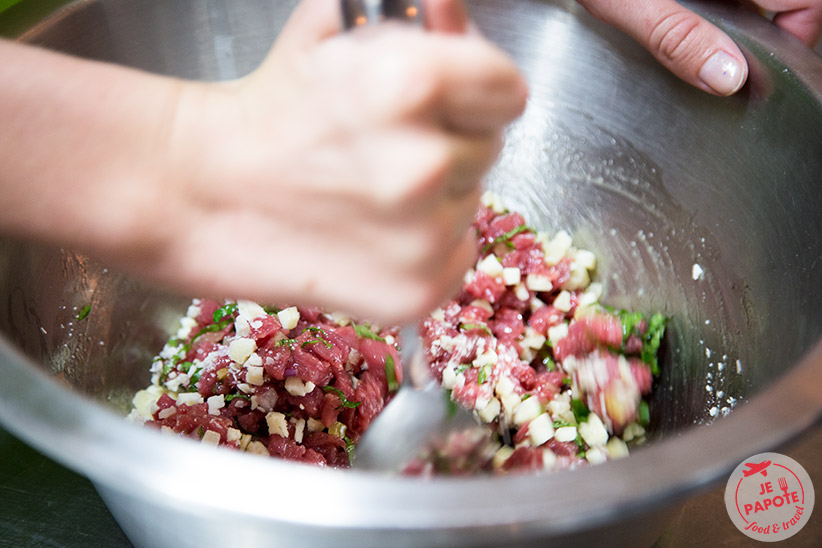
{"x":357,"y":13}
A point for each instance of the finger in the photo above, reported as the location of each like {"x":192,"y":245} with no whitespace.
{"x":448,"y":16}
{"x":482,"y":88}
{"x":685,"y":43}
{"x":472,"y":158}
{"x":407,"y":171}
{"x":452,"y":271}
{"x":312,"y":21}
{"x":805,"y":24}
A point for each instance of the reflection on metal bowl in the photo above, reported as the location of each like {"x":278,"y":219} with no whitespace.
{"x":707,"y":209}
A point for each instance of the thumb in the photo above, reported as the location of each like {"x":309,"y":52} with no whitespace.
{"x":804,"y":23}
{"x":685,"y":43}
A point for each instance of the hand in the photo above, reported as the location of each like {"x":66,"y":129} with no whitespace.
{"x":344,"y":172}
{"x":694,"y":49}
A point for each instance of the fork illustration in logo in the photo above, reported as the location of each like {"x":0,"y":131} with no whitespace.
{"x":783,"y":484}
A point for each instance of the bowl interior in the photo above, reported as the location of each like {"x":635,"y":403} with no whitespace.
{"x":703,"y":208}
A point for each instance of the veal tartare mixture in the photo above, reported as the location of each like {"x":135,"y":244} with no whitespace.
{"x":559,"y":378}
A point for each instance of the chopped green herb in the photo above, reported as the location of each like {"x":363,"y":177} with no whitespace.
{"x":549,"y":363}
{"x":231,"y":397}
{"x":185,"y":366}
{"x":201,"y":431}
{"x":174,"y":341}
{"x":463,"y":368}
{"x":316,"y":330}
{"x":580,"y":410}
{"x":472,"y":326}
{"x":484,"y":371}
{"x":652,"y":340}
{"x":167,"y":367}
{"x":506,"y":238}
{"x":525,"y":397}
{"x":344,"y":401}
{"x":213,"y":328}
{"x":350,"y":447}
{"x":391,"y":374}
{"x":271,"y":310}
{"x":630,"y":322}
{"x":365,"y":332}
{"x":559,"y":423}
{"x":287,"y":342}
{"x":224,"y":311}
{"x":194,"y":378}
{"x":82,"y":314}
{"x":451,"y":405}
{"x":644,"y":413}
{"x":315,"y":341}
{"x":566,"y":380}
{"x":581,"y":446}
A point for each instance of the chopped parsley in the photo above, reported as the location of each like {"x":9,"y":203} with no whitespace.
{"x":484,"y":371}
{"x":224,"y":311}
{"x":364,"y":331}
{"x":651,"y":338}
{"x":473,"y":326}
{"x":315,"y":341}
{"x":506,"y":238}
{"x":192,"y":383}
{"x":83,"y":313}
{"x":345,"y":402}
{"x":580,"y":410}
{"x":230,"y":397}
{"x":185,"y":366}
{"x":391,"y":374}
{"x":167,"y":367}
{"x":450,"y":405}
{"x":350,"y":446}
{"x":287,"y":342}
{"x":213,"y":328}
{"x":644,"y":413}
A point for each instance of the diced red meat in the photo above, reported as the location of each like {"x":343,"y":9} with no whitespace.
{"x":485,"y":287}
{"x":588,"y":334}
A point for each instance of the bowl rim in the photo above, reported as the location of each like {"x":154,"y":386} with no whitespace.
{"x":132,"y":460}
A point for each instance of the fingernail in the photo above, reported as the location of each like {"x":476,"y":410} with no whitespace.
{"x":722,"y":73}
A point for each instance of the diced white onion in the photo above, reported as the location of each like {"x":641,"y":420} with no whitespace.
{"x":289,"y":317}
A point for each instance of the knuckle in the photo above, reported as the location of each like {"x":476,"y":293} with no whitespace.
{"x":421,"y":87}
{"x":674,"y":35}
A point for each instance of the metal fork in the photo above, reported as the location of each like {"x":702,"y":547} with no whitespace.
{"x":420,"y":416}
{"x":357,"y":13}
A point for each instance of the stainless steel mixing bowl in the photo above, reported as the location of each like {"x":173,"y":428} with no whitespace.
{"x":654,"y":176}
